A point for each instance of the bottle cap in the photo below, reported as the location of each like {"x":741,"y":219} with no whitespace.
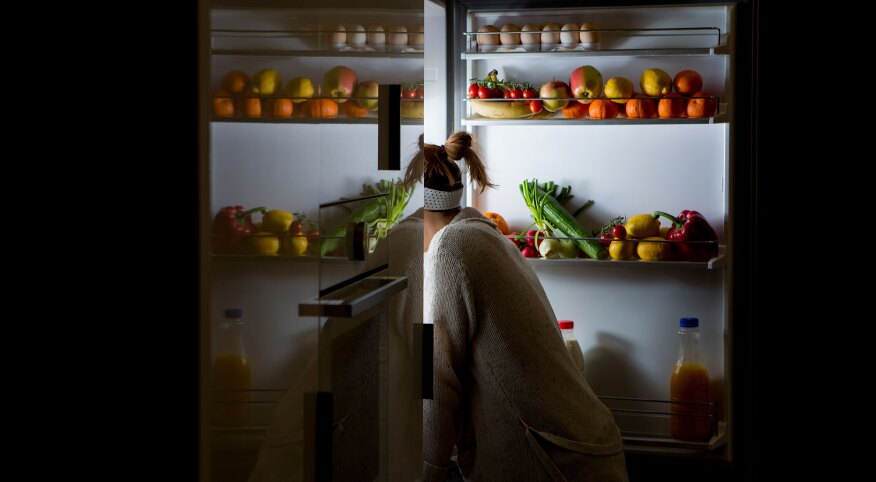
{"x":233,"y":313}
{"x":566,"y":324}
{"x":689,"y":322}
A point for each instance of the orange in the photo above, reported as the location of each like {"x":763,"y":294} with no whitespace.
{"x":223,"y":105}
{"x":640,"y":108}
{"x":499,"y":220}
{"x":320,"y":108}
{"x":603,"y":109}
{"x":701,"y":105}
{"x":250,"y":105}
{"x":235,"y":81}
{"x":353,"y":109}
{"x":671,"y":105}
{"x":687,"y":82}
{"x":575,"y":110}
{"x":279,"y":107}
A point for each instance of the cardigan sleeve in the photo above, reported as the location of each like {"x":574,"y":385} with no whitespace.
{"x":452,"y":314}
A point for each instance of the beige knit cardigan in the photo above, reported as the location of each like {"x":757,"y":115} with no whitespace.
{"x":506,"y":390}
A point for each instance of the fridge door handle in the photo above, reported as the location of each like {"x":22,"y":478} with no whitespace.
{"x":389,"y":127}
{"x":423,"y":350}
{"x":317,"y":436}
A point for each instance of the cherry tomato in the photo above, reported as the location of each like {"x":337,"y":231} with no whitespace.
{"x":516,"y":93}
{"x":473,"y":91}
{"x":506,"y":94}
{"x":530,"y":94}
{"x":605,"y":239}
{"x":535,"y":106}
{"x":420,"y":92}
{"x":409,"y":93}
{"x":619,"y":231}
{"x":483,"y":92}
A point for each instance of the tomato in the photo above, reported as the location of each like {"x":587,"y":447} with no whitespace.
{"x":605,"y":239}
{"x":506,"y":94}
{"x":517,"y":93}
{"x":535,"y":106}
{"x":473,"y":91}
{"x":409,"y":93}
{"x":487,"y":93}
{"x":420,"y":92}
{"x":619,"y":231}
{"x":530,"y":94}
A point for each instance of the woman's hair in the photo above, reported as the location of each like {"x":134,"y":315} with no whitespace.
{"x":438,"y":169}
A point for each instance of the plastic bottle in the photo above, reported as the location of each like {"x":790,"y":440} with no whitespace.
{"x":690,"y":383}
{"x":571,"y":342}
{"x":231,"y":373}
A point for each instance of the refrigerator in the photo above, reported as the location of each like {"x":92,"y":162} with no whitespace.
{"x":333,"y":384}
{"x":626,"y":312}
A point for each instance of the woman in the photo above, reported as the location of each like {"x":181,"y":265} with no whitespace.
{"x":507,"y":393}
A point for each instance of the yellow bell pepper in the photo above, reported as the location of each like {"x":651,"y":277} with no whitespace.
{"x":262,"y":243}
{"x":652,"y":251}
{"x":642,"y":226}
{"x":276,"y":221}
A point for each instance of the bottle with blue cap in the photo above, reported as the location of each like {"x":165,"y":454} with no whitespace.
{"x":690,"y":384}
{"x":231,"y":373}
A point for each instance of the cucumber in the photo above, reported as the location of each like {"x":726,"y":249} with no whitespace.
{"x":567,"y":226}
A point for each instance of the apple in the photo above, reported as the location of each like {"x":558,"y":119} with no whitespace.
{"x":369,"y":88}
{"x":339,"y":83}
{"x":586,"y":83}
{"x":555,"y":89}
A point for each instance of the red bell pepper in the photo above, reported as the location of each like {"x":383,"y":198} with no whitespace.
{"x":691,"y":226}
{"x":230,"y":223}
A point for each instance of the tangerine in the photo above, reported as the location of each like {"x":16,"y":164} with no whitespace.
{"x":497,"y":218}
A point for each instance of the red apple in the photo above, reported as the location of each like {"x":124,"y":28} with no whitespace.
{"x":555,"y":90}
{"x":586,"y":83}
{"x":369,"y":88}
{"x":339,"y":82}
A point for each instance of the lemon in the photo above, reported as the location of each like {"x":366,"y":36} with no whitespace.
{"x":619,"y":88}
{"x":299,"y":89}
{"x":266,"y":82}
{"x":655,"y":82}
{"x":262,"y":244}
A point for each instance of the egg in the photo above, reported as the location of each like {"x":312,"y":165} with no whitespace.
{"x":510,"y":38}
{"x":530,"y":38}
{"x":569,"y":34}
{"x":356,"y":35}
{"x":550,"y":34}
{"x":338,"y":35}
{"x":488,"y":39}
{"x":376,"y":36}
{"x":416,"y":36}
{"x":589,"y":37}
{"x":398,"y":35}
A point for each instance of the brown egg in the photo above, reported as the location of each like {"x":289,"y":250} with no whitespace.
{"x":550,"y":34}
{"x":488,"y":39}
{"x":415,"y":37}
{"x":530,"y":38}
{"x":589,"y":37}
{"x":510,"y":38}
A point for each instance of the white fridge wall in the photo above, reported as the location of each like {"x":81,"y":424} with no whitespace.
{"x":625,"y":318}
{"x":435,"y":74}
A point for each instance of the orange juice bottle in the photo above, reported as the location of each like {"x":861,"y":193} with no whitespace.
{"x":231,"y":373}
{"x":690,"y":383}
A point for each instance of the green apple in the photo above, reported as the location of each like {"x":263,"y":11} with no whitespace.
{"x":299,"y":89}
{"x":369,"y":88}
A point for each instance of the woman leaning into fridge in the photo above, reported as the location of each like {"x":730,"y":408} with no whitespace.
{"x":506,"y":392}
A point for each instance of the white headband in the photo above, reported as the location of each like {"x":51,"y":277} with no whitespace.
{"x":436,"y":200}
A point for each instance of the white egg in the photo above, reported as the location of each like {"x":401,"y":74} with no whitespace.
{"x":550,"y":34}
{"x":356,"y":35}
{"x":589,"y":37}
{"x":376,"y":36}
{"x":398,"y":35}
{"x":510,"y":38}
{"x":416,"y":36}
{"x":569,"y":35}
{"x":530,"y":38}
{"x":488,"y":39}
{"x":338,"y":35}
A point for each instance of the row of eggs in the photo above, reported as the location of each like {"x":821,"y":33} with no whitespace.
{"x":549,"y":34}
{"x":376,"y":35}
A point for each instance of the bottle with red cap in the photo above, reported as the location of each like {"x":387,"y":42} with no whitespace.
{"x":566,"y":327}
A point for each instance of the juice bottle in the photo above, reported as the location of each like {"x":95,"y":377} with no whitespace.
{"x":571,"y":342}
{"x":231,"y":373}
{"x":690,"y":383}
